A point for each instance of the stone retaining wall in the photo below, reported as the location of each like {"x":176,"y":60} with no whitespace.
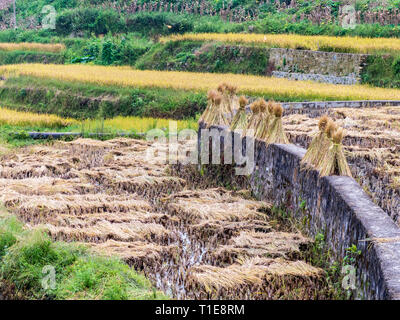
{"x":348,"y":80}
{"x":336,"y":206}
{"x":330,"y":67}
{"x":316,"y":109}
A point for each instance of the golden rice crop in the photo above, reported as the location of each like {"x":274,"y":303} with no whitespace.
{"x":294,"y":41}
{"x":138,"y":124}
{"x":17,"y":118}
{"x":26,"y":46}
{"x":246,"y":84}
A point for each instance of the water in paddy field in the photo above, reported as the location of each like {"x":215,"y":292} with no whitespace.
{"x":170,"y":278}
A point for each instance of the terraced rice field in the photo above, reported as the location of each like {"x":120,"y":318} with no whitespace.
{"x":372,"y":144}
{"x":26,"y":46}
{"x":280,"y":89}
{"x":294,"y":41}
{"x":190,"y":243}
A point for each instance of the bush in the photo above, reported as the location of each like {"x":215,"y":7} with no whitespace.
{"x":64,"y":23}
{"x":117,"y":50}
{"x":396,"y":67}
{"x":89,"y":20}
{"x":150,"y":23}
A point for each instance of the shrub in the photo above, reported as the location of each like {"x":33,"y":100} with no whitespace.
{"x":158,"y":23}
{"x":89,"y":20}
{"x":396,"y":67}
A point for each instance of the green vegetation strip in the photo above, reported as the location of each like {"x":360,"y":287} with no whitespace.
{"x":28,"y":256}
{"x":83,"y":100}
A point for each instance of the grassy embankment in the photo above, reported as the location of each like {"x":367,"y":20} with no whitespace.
{"x":27,"y":259}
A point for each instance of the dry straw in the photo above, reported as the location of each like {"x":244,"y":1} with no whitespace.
{"x":250,"y":243}
{"x":229,"y":100}
{"x":137,"y":254}
{"x":207,"y":114}
{"x":251,"y":275}
{"x":218,"y":115}
{"x":313,"y":154}
{"x":263,"y":118}
{"x":326,"y":144}
{"x":254,"y":119}
{"x":276,"y":133}
{"x":334,"y":162}
{"x":240,"y":120}
{"x":263,"y":135}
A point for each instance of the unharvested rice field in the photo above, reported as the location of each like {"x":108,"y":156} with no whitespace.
{"x":372,"y":148}
{"x":252,"y":85}
{"x":16,"y":118}
{"x":26,"y":46}
{"x":190,"y":243}
{"x":137,"y":124}
{"x":294,"y":41}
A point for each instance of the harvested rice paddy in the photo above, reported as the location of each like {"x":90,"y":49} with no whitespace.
{"x":191,"y":243}
{"x":280,"y":89}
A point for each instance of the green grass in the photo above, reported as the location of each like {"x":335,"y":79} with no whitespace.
{"x":382,"y":71}
{"x":197,"y":56}
{"x":83,"y":100}
{"x":79,"y":274}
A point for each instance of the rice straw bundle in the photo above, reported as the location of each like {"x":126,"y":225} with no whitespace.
{"x":263,"y":118}
{"x":229,"y":100}
{"x":334,"y":162}
{"x":210,"y":106}
{"x":219,"y":116}
{"x":263,"y":133}
{"x":314,"y":150}
{"x":276,"y":134}
{"x":233,"y":98}
{"x":326,"y":144}
{"x":254,"y":118}
{"x":240,"y":120}
{"x":223,"y":90}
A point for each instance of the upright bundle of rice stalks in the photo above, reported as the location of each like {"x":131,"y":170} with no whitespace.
{"x":205,"y":117}
{"x":264,"y":118}
{"x":276,"y":134}
{"x":219,"y":115}
{"x":232,"y":98}
{"x":325,"y":144}
{"x":230,"y":101}
{"x":258,"y":109}
{"x":334,"y":161}
{"x":240,"y":120}
{"x":263,"y":132}
{"x":313,"y":154}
